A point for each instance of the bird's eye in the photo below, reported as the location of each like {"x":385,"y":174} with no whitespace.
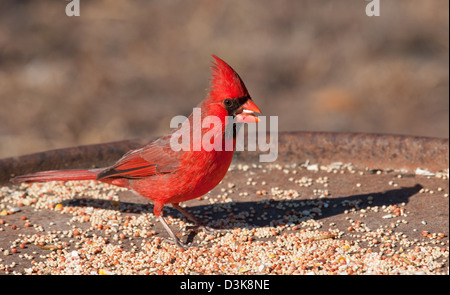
{"x":228,"y":102}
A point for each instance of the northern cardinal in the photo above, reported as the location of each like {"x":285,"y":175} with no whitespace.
{"x":163,"y":175}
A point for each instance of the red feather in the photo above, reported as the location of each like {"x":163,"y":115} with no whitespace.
{"x":152,"y":159}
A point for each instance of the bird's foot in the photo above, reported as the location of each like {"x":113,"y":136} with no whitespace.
{"x":176,"y":242}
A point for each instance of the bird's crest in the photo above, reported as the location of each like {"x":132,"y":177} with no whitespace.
{"x":225,"y":82}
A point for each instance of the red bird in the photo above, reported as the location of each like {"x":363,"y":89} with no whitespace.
{"x":164,"y":175}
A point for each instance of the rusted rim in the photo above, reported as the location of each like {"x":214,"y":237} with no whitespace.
{"x":375,"y":151}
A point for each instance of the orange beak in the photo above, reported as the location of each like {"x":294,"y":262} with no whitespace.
{"x":246,"y":113}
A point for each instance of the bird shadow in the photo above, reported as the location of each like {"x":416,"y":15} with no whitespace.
{"x":279,"y":211}
{"x":245,"y":214}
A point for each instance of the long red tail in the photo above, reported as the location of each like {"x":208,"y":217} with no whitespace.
{"x":58,"y":175}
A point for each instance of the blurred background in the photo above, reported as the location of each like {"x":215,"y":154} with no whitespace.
{"x":123,"y":69}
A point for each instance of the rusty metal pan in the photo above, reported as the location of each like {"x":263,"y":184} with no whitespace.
{"x":348,"y":205}
{"x":370,"y":150}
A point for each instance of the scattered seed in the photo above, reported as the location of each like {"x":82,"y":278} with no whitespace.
{"x":107,"y":236}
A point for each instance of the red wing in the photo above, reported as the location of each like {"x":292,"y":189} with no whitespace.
{"x":154,"y":158}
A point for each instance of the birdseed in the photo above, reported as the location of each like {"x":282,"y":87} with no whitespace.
{"x":301,"y":218}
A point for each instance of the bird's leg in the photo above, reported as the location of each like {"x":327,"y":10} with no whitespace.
{"x":198,"y":224}
{"x":158,"y":211}
{"x":171,"y":234}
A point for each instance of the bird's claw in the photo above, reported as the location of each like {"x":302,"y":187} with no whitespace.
{"x":176,"y":242}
